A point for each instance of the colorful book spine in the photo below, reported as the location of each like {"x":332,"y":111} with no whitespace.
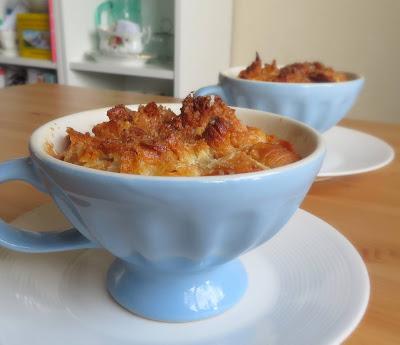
{"x":52,"y":31}
{"x":33,"y":31}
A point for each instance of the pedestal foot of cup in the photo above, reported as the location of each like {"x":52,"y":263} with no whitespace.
{"x":177,"y":297}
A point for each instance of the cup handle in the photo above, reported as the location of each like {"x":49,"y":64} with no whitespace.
{"x":103,"y":7}
{"x":212,"y":90}
{"x":32,"y":241}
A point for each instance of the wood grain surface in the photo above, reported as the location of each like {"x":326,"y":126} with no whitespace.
{"x":365,"y":207}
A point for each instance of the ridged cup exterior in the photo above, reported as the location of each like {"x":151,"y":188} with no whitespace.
{"x":178,"y":226}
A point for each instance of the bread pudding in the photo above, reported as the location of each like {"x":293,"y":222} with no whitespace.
{"x":306,"y":72}
{"x":206,"y":138}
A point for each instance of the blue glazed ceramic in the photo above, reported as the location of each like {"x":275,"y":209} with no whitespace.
{"x":319,"y":105}
{"x":176,"y":239}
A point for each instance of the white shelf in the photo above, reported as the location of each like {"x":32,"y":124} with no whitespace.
{"x":148,"y":70}
{"x":20,"y":61}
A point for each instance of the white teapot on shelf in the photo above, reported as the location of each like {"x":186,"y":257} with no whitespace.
{"x":123,"y":39}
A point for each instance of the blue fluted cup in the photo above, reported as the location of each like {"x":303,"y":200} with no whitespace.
{"x":176,"y":239}
{"x":319,"y":105}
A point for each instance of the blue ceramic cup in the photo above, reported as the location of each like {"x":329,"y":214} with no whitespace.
{"x":176,"y":239}
{"x":319,"y":105}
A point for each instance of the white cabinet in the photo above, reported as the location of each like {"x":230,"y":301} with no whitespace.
{"x":202,"y":46}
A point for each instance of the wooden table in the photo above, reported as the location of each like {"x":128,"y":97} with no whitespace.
{"x":366,"y":207}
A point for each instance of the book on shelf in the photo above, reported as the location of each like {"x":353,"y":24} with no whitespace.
{"x":17,"y":75}
{"x":33,"y":32}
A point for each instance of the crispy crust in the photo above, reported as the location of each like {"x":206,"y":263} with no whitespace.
{"x":306,"y":72}
{"x":206,"y":138}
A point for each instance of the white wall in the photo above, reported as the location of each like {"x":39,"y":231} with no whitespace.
{"x":355,"y":35}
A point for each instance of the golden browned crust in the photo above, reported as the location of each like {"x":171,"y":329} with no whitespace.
{"x":206,"y":138}
{"x":306,"y":72}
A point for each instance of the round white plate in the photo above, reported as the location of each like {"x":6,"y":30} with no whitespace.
{"x":308,"y":285}
{"x":352,"y":152}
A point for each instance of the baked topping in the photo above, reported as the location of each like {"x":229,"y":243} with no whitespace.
{"x":306,"y":72}
{"x":206,"y":138}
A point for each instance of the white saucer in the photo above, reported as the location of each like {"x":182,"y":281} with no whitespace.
{"x":137,"y":60}
{"x":308,"y":285}
{"x":352,"y":152}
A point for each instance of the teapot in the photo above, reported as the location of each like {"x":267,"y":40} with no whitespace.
{"x":124,"y":39}
{"x":118,"y":24}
